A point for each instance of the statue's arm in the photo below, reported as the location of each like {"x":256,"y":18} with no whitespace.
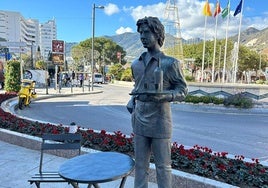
{"x":178,"y":84}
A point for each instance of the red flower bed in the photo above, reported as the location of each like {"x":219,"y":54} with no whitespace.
{"x":197,"y":160}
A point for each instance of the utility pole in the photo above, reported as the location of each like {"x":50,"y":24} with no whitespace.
{"x":32,"y":57}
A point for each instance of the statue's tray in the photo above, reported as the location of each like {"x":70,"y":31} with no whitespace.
{"x":150,"y":93}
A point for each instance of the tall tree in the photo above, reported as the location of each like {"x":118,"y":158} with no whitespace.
{"x":105,"y":52}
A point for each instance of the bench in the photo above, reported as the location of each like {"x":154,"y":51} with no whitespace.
{"x":55,"y":142}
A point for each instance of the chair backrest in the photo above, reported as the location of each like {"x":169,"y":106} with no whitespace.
{"x":66,"y":141}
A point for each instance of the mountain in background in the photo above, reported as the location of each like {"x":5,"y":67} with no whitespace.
{"x":130,"y":42}
{"x":68,"y":47}
{"x":132,"y":45}
{"x":252,"y":38}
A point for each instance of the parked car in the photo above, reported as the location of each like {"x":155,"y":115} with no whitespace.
{"x":98,"y":78}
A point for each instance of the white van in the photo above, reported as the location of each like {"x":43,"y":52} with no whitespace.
{"x":98,"y":78}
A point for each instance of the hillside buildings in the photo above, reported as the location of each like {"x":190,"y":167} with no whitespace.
{"x":15,"y":28}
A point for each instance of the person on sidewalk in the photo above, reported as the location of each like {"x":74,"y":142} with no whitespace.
{"x":2,"y":79}
{"x":150,"y":104}
{"x":81,"y":79}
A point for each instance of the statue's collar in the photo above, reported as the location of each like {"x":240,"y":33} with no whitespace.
{"x":155,"y":56}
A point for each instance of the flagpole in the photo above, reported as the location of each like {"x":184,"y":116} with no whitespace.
{"x":219,"y":78}
{"x":238,"y":41}
{"x":204,"y":49}
{"x":226,"y":42}
{"x":214,"y":52}
{"x":206,"y":12}
{"x":235,"y":50}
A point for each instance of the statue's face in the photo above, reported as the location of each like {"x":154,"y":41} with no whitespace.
{"x":147,"y":36}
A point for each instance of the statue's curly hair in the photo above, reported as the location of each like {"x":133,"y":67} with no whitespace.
{"x":155,"y":26}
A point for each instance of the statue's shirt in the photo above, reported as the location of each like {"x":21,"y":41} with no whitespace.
{"x":154,"y":119}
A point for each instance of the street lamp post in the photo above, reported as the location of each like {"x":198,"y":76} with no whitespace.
{"x":92,"y":48}
{"x":32,"y":56}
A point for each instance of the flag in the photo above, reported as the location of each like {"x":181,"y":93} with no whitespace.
{"x":238,"y":8}
{"x":226,"y":11}
{"x":206,"y":9}
{"x":217,"y":9}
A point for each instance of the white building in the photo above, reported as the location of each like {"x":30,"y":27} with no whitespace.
{"x":48,"y":32}
{"x":15,"y":28}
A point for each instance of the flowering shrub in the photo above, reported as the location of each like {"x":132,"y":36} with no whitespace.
{"x":202,"y":161}
{"x":107,"y":142}
{"x":197,"y":160}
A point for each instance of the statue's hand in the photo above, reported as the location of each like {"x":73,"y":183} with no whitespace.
{"x":161,"y":98}
{"x":167,"y":97}
{"x":143,"y":98}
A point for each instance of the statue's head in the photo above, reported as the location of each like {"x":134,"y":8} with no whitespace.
{"x":155,"y":26}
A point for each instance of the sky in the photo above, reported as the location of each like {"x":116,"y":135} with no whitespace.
{"x":74,"y":17}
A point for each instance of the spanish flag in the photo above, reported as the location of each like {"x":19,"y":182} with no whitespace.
{"x":206,"y":9}
{"x":217,"y":9}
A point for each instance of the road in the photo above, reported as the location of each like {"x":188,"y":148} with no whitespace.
{"x":236,"y":133}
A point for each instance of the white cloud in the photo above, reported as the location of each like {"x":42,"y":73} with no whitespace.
{"x":257,"y":22}
{"x":111,"y":9}
{"x":149,"y":10}
{"x":192,"y":20}
{"x":122,"y":30}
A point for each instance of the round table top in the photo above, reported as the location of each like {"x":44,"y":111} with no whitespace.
{"x":97,"y":167}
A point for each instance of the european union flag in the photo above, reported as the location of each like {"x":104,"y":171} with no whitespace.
{"x":238,"y":8}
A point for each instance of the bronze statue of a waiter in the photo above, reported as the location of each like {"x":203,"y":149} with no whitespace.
{"x":158,"y":81}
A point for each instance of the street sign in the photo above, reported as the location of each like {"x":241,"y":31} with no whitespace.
{"x":8,"y":56}
{"x":58,"y":59}
{"x":17,"y":50}
{"x":58,"y":46}
{"x":4,"y":50}
{"x":12,"y":44}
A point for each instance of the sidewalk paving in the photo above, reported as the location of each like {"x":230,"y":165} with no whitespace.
{"x":18,"y":164}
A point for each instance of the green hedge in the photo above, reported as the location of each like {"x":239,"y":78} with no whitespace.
{"x":238,"y":100}
{"x":12,"y":76}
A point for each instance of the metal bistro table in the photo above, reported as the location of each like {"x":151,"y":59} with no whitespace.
{"x":97,"y":168}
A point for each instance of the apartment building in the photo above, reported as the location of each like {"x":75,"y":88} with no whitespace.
{"x":15,"y":28}
{"x":48,"y":32}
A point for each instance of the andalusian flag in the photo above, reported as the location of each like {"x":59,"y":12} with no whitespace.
{"x":217,"y":9}
{"x":226,"y":11}
{"x":206,"y":9}
{"x":238,"y":8}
